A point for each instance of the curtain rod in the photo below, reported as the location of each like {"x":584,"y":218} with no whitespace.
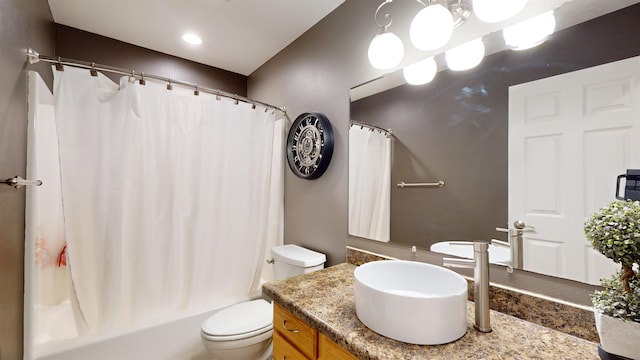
{"x":387,"y":132}
{"x":33,"y":57}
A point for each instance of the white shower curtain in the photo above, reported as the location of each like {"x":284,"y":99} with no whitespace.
{"x":369,"y":183}
{"x":168,"y":197}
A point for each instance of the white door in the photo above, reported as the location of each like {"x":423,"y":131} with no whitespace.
{"x":570,"y":136}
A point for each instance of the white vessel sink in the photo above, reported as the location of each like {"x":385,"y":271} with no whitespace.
{"x":497,"y":254}
{"x":413,"y":302}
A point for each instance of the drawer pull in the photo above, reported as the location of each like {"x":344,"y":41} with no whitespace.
{"x":284,"y":325}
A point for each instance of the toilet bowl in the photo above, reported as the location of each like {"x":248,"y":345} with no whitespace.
{"x":244,"y":331}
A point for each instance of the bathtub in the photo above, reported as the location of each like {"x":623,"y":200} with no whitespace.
{"x":177,"y":338}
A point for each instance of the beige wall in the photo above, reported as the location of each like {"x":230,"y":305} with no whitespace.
{"x":23,"y":24}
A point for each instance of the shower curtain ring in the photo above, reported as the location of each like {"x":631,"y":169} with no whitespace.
{"x":196,"y":92}
{"x":59,"y":66}
{"x":218,"y":95}
{"x":142,"y":81}
{"x":169,"y":86}
{"x":93,"y":71}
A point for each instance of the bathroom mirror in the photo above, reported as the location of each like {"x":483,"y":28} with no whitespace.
{"x":456,"y":130}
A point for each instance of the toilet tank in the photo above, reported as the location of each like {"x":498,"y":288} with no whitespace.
{"x":291,"y":260}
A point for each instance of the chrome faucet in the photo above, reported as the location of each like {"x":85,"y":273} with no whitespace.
{"x":480,"y":266}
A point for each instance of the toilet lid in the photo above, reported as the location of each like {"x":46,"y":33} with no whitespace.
{"x":241,"y":318}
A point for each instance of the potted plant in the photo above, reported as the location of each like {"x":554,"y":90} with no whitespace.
{"x":614,"y":231}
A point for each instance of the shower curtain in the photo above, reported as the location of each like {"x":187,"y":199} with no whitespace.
{"x":369,"y":183}
{"x":169,"y":198}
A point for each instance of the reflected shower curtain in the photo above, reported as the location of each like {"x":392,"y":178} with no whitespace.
{"x":168,"y":197}
{"x":369,"y":183}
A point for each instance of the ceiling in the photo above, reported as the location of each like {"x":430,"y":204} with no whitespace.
{"x":237,"y":35}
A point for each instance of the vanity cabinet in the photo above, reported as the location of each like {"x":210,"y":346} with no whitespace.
{"x":291,"y":333}
{"x":293,"y":339}
{"x":328,"y":350}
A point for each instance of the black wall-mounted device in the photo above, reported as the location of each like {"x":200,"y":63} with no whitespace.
{"x":631,"y":185}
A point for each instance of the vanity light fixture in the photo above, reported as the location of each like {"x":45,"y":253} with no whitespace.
{"x":431,"y":28}
{"x":421,"y":72}
{"x":492,"y":11}
{"x":386,"y":49}
{"x":531,"y":32}
{"x":192,"y":39}
{"x":465,"y":56}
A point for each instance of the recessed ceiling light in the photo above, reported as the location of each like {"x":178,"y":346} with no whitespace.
{"x":192,"y":39}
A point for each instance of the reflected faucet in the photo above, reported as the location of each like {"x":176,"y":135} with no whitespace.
{"x":514,"y":242}
{"x":480,"y":266}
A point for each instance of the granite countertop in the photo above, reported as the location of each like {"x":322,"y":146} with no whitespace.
{"x":325,"y":300}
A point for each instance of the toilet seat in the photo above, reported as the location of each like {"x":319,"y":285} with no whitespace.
{"x":257,"y":334}
{"x":239,"y":321}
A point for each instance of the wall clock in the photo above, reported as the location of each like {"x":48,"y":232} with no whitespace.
{"x":310,"y":145}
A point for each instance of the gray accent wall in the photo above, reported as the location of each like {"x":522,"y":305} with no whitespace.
{"x":315,"y":73}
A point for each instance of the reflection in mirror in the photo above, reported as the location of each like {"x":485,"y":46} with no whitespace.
{"x":458,"y":128}
{"x":370,"y":150}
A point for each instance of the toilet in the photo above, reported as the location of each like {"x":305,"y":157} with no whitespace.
{"x":244,"y":331}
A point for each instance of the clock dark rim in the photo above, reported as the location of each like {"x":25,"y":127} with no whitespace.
{"x":327,"y":149}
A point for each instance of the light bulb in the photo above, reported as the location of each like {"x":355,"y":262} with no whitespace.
{"x":431,"y":28}
{"x":192,"y":39}
{"x":421,"y":72}
{"x":465,"y":56}
{"x":492,"y":11}
{"x":385,"y":51}
{"x":531,"y":32}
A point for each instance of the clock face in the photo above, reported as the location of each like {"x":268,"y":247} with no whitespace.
{"x":310,"y":145}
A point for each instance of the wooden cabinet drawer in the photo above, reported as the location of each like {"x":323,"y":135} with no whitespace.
{"x":298,"y":333}
{"x":282,"y":350}
{"x":328,"y":350}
